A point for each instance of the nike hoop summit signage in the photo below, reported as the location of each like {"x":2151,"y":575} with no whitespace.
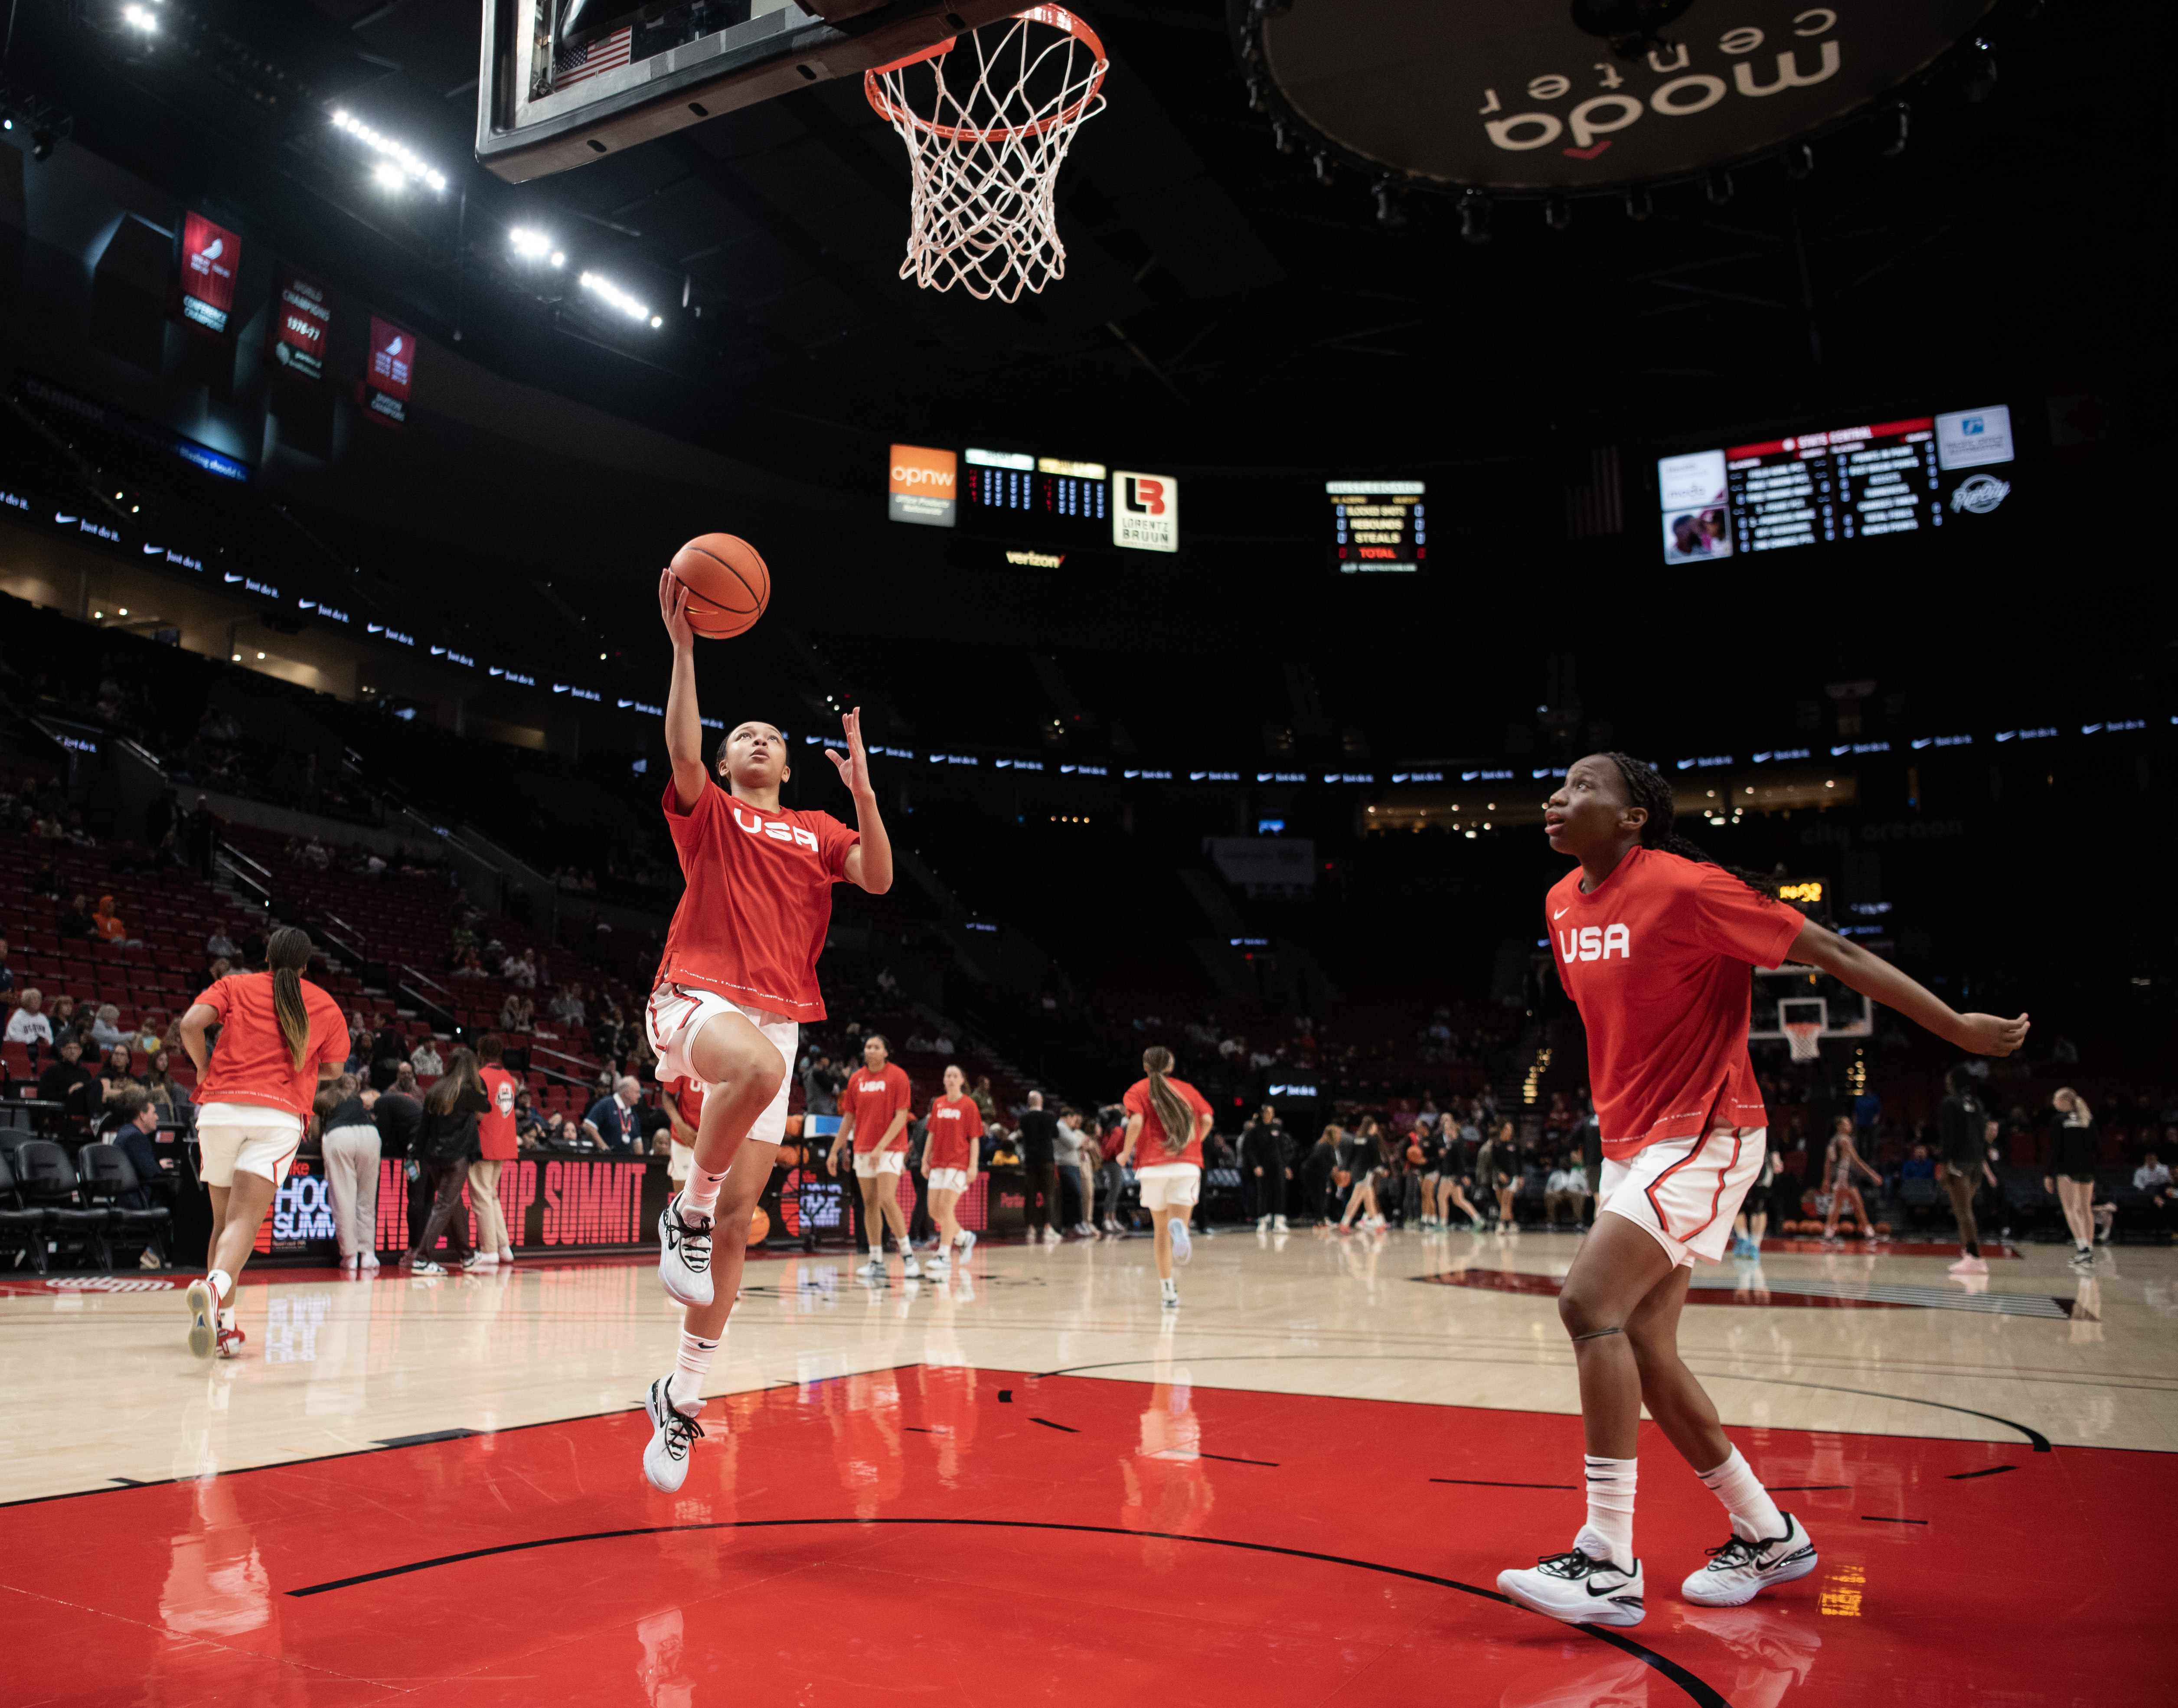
{"x":924,"y":486}
{"x":1146,"y":515}
{"x":211,"y":256}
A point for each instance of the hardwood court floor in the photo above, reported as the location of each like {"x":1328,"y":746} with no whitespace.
{"x":1037,"y":1486}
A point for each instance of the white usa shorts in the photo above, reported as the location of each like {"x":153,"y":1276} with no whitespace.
{"x":676,"y":1013}
{"x":948,"y":1179}
{"x":1684,"y":1192}
{"x":1169,"y":1185}
{"x":249,"y":1138}
{"x":869,"y":1164}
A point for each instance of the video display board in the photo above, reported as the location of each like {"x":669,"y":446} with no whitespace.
{"x":1908,"y":476}
{"x":1378,"y":526}
{"x":1065,"y":499}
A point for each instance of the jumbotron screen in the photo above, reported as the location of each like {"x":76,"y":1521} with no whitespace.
{"x":1908,"y":476}
{"x":1378,"y":526}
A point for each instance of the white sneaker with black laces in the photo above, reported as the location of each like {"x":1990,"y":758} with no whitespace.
{"x":204,"y":1302}
{"x":1740,"y":1570}
{"x":1578,"y":1588}
{"x":1182,"y":1247}
{"x":672,"y":1433}
{"x":965,"y":1243}
{"x":684,"y":1254}
{"x":910,"y":1270}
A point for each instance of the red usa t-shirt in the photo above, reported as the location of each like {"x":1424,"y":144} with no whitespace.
{"x":752,"y":920}
{"x":495,"y":1126}
{"x":688,"y":1101}
{"x":955,"y":1124}
{"x":1149,"y":1150}
{"x":1657,"y":957}
{"x":873,"y":1099}
{"x":251,"y":1064}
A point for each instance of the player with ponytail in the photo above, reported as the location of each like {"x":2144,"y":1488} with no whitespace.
{"x":1655,"y":943}
{"x":1167,"y":1121}
{"x":279,"y":1037}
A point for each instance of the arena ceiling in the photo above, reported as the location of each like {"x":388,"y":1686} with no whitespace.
{"x":1222,"y":305}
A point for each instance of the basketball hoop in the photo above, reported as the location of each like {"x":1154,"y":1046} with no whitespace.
{"x":985,"y":141}
{"x":1802,"y":1035}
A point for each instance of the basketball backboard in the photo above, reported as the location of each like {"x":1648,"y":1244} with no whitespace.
{"x":1790,"y":994}
{"x":566,"y":82}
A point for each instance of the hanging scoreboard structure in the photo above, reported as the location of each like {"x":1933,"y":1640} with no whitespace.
{"x":1378,"y":527}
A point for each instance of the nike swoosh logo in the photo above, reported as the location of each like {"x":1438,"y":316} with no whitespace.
{"x":1561,"y":912}
{"x":1617,"y":1588}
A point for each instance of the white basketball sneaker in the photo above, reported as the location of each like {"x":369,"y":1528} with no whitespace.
{"x":1183,"y":1248}
{"x":1740,"y":1570}
{"x":204,"y":1303}
{"x":1579,"y":1588}
{"x":964,"y":1243}
{"x":684,"y":1254}
{"x":672,"y":1433}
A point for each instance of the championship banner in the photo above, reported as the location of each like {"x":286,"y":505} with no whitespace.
{"x":212,"y":257}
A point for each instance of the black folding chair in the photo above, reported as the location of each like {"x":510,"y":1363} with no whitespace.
{"x":46,"y":1179}
{"x":23,"y":1227}
{"x":108,"y":1181}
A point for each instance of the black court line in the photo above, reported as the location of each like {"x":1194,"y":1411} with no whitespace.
{"x":1969,"y":1476}
{"x":1478,"y":1482}
{"x":127,"y":1482}
{"x":918,"y":1429}
{"x":429,"y":1436}
{"x":1228,"y":1458}
{"x":1695,"y":1688}
{"x":1006,"y":1396}
{"x":2041,"y":1441}
{"x":1048,"y":1424}
{"x":1877,"y":1519}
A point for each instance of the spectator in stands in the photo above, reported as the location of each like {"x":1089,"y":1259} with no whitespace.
{"x":219,"y":968}
{"x":160,"y":1086}
{"x":107,"y":925}
{"x":528,"y":1128}
{"x":75,"y":918}
{"x":1266,"y":1167}
{"x":28,"y":1024}
{"x":128,"y":1128}
{"x":612,"y":1120}
{"x":220,"y":943}
{"x":70,"y":1083}
{"x":117,"y":1076}
{"x":107,"y":1029}
{"x":2152,"y":1179}
{"x":567,"y":1006}
{"x":65,"y":1019}
{"x":984,"y":1101}
{"x":517,"y":1014}
{"x":1567,"y":1189}
{"x":404,"y":1081}
{"x":7,"y":972}
{"x":448,"y":1142}
{"x":426,"y":1060}
{"x":352,"y":1146}
{"x":468,"y":965}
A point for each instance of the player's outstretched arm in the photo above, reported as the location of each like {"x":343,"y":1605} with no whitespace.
{"x":1878,"y":981}
{"x":869,"y":862}
{"x":684,"y":726}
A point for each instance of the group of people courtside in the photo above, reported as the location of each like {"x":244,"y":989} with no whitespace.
{"x":1654,"y":941}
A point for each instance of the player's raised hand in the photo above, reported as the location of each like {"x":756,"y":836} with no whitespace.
{"x":673,"y":608}
{"x":855,"y":766}
{"x":1990,"y":1034}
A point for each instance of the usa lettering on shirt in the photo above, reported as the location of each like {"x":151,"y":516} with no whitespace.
{"x":777,"y":829}
{"x":1595,"y":943}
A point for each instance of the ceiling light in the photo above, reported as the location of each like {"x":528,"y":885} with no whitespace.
{"x":532,"y":245}
{"x":124,"y":611}
{"x":602,"y":287}
{"x":388,"y":176}
{"x":406,"y":165}
{"x":139,"y":18}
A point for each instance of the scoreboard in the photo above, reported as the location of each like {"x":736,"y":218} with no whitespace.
{"x":1063,"y":498}
{"x":1378,"y":526}
{"x":1908,"y":476}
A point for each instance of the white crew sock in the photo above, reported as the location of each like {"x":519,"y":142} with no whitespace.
{"x":1608,"y":1534}
{"x":1755,"y":1515}
{"x":699,"y":1198}
{"x":690,"y":1365}
{"x":220,"y":1284}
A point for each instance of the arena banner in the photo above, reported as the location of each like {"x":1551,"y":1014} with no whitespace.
{"x":210,"y":257}
{"x":551,"y":1204}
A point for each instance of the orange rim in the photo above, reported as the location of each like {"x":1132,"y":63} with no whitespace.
{"x":1058,"y":18}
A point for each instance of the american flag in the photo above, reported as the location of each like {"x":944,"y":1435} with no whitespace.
{"x":603,"y":54}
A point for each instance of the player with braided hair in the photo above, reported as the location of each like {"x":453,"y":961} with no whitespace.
{"x":1167,"y":1120}
{"x":1655,"y":943}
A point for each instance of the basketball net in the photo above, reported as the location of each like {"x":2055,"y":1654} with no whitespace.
{"x":985,"y":140}
{"x":1802,"y":1035}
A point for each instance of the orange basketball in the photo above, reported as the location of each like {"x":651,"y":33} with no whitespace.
{"x":788,"y":1157}
{"x":759,"y":1225}
{"x":1414,"y":1153}
{"x":728,"y":585}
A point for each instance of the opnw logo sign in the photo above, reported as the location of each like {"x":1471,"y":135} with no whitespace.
{"x":1146,"y":517}
{"x":923,"y":485}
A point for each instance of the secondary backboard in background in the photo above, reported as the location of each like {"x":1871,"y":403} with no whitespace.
{"x":566,"y":82}
{"x":1791,"y":993}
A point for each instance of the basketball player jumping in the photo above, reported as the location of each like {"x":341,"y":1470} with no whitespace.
{"x":738,"y":978}
{"x":1655,"y":943}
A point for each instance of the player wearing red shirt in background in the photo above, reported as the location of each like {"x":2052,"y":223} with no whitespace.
{"x":496,"y":1141}
{"x":1168,"y":1119}
{"x":738,"y":978}
{"x":949,"y":1164}
{"x":874,"y":1106}
{"x":280,"y":1038}
{"x":1655,"y":943}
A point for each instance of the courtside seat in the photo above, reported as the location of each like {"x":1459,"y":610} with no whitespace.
{"x":106,"y":1175}
{"x":19,"y":1227}
{"x":46,"y":1179}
